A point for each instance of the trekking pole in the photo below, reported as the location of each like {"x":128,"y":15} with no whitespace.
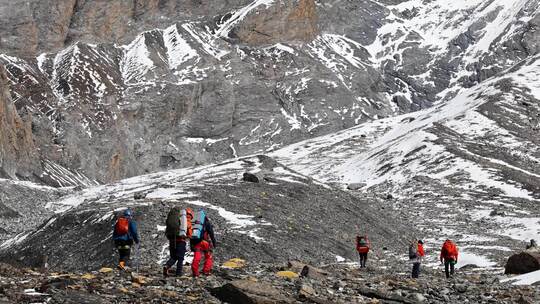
{"x":137,"y":257}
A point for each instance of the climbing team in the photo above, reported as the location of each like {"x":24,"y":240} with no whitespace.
{"x":124,"y":235}
{"x":184,"y":226}
{"x":448,"y":256}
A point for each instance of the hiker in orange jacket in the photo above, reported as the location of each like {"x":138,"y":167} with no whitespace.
{"x":449,"y":256}
{"x":362,"y":246}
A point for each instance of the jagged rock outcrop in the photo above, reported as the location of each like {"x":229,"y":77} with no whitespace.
{"x":44,"y":26}
{"x":288,"y":21}
{"x":18,"y":155}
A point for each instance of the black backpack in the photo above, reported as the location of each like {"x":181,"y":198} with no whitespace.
{"x":173,"y":223}
{"x":412,"y":251}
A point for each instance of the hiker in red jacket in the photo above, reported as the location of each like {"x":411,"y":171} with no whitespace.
{"x":419,"y":257}
{"x":362,"y":246}
{"x":203,"y":247}
{"x":449,"y":256}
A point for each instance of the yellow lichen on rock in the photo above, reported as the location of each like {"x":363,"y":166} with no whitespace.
{"x":234,"y":263}
{"x":287,"y":274}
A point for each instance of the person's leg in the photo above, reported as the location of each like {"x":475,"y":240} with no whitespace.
{"x":180,"y":252}
{"x":446,"y":266}
{"x":364,"y":260}
{"x":197,"y":255}
{"x":416,"y":270}
{"x":172,"y":254}
{"x":452,"y":265}
{"x":127,"y":255}
{"x":208,"y":262}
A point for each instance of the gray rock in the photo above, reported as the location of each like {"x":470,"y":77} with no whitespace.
{"x":249,"y":292}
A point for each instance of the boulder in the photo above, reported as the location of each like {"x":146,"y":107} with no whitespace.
{"x":252,"y":177}
{"x":523,"y":262}
{"x":139,"y":195}
{"x":249,"y":292}
{"x":295,"y":266}
{"x":355,"y":186}
{"x":313,"y":273}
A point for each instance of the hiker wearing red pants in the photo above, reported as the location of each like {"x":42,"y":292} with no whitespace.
{"x":202,"y":246}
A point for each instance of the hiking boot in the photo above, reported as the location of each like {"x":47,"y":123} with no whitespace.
{"x":165,"y":271}
{"x":122,"y":265}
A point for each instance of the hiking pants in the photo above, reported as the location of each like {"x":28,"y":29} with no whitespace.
{"x":449,"y":263}
{"x":124,"y":249}
{"x":416,"y":269}
{"x":198,"y":250}
{"x":363,"y":259}
{"x":177,"y":250}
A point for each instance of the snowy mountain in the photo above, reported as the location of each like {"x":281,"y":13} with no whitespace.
{"x":427,"y":111}
{"x":465,"y":168}
{"x":249,"y":77}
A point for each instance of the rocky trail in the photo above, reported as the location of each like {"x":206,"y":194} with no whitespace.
{"x":239,"y":281}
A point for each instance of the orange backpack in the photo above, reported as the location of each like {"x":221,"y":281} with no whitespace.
{"x":122,"y":226}
{"x":449,"y":249}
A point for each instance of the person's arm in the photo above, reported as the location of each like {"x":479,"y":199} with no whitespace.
{"x":210,"y":229}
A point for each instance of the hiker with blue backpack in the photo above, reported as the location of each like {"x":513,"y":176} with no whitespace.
{"x":124,"y":234}
{"x":202,"y":243}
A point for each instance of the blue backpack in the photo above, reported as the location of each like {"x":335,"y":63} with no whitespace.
{"x":197,"y":226}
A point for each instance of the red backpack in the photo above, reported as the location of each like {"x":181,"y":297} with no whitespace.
{"x":122,"y":226}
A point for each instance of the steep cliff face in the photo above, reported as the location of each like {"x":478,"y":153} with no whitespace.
{"x":284,"y":22}
{"x":37,"y":26}
{"x":17,"y":151}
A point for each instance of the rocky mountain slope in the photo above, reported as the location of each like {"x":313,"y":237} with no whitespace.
{"x":467,"y":168}
{"x":256,"y":283}
{"x":117,"y":90}
{"x":284,"y":216}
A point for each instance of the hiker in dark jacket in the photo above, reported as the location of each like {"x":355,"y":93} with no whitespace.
{"x":124,"y":235}
{"x":204,"y":246}
{"x":532,"y":245}
{"x":177,"y":249}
